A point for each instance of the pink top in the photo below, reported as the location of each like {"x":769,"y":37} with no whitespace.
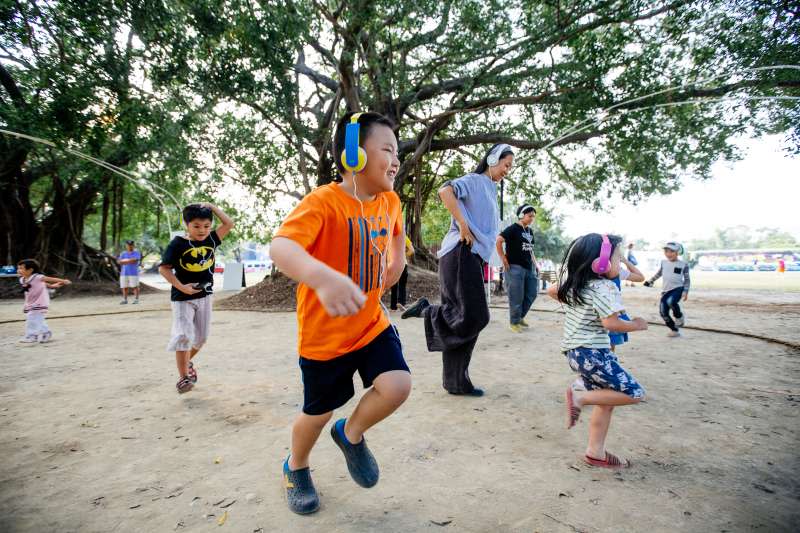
{"x":37,"y":297}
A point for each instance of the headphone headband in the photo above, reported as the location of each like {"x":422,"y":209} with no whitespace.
{"x":493,"y":158}
{"x":353,"y":158}
{"x":602,"y":264}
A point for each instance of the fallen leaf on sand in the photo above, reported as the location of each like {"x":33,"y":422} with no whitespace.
{"x":222,"y":518}
{"x":217,"y":460}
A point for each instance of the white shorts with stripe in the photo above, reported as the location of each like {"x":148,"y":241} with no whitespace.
{"x":191,"y":323}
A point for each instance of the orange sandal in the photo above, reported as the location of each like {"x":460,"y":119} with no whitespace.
{"x":611,"y":461}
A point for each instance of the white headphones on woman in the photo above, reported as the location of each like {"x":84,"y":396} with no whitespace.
{"x":494,"y":156}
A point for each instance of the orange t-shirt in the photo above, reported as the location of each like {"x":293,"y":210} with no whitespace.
{"x":329,"y":224}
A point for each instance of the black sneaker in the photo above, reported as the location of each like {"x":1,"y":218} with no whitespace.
{"x":300,"y":492}
{"x":360,"y":462}
{"x":415,"y":310}
{"x":184,"y":385}
{"x":192,"y":374}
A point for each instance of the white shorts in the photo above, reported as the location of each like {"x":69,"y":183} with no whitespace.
{"x":191,"y":323}
{"x":128,"y":282}
{"x":35,"y":323}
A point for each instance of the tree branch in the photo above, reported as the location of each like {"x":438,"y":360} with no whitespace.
{"x":301,"y":68}
{"x":493,"y":138}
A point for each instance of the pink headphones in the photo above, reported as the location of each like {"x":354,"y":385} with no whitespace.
{"x":603,"y":263}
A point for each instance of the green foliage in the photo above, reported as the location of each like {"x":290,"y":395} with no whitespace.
{"x":548,"y":233}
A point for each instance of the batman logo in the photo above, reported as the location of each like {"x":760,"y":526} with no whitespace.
{"x":197,"y":259}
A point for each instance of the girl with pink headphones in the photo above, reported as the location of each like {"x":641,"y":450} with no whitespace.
{"x":593,"y":308}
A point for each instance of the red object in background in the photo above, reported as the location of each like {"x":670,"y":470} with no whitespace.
{"x":781,"y":265}
{"x":219,"y":269}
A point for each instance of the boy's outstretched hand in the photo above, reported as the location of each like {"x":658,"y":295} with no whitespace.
{"x":640,"y":323}
{"x":339,"y":295}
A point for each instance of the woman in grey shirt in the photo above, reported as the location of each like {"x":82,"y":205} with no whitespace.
{"x":452,"y":327}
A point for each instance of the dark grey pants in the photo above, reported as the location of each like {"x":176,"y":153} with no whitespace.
{"x":452,"y":327}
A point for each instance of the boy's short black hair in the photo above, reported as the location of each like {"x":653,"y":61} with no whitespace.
{"x":366,"y":122}
{"x":31,"y":263}
{"x":195,"y":211}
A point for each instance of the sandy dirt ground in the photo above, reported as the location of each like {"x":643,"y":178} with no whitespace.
{"x":94,"y":437}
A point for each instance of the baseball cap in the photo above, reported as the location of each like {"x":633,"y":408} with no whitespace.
{"x":129,"y":242}
{"x":674,"y":246}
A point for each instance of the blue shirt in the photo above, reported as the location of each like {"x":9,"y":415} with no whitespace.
{"x":130,"y":269}
{"x":477,"y":199}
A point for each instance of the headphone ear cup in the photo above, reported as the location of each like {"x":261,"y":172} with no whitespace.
{"x":597,"y":268}
{"x":362,"y":161}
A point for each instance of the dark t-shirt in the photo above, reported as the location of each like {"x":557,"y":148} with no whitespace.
{"x":192,"y":262}
{"x":519,"y":245}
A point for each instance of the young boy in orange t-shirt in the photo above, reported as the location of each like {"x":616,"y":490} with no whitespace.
{"x":344,"y":244}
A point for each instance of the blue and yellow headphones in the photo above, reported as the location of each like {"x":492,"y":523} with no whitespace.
{"x":354,"y":158}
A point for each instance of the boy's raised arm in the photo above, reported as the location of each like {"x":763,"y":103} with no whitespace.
{"x":226,"y":221}
{"x":337,"y":293}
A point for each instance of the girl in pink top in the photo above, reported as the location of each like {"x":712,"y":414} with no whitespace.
{"x":37,"y":299}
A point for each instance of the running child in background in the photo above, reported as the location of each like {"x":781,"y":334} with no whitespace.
{"x":35,"y":285}
{"x":593,"y":307}
{"x":674,"y":288}
{"x":188,"y":265}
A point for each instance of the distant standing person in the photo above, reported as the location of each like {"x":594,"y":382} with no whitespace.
{"x":519,"y":263}
{"x":399,"y":289}
{"x":129,"y":273}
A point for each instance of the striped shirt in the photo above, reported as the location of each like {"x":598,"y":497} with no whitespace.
{"x":582,"y":326}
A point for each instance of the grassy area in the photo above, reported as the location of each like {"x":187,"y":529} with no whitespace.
{"x":770,"y":281}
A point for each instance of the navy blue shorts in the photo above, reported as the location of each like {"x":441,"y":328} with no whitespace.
{"x":600,"y":369}
{"x":328,"y":385}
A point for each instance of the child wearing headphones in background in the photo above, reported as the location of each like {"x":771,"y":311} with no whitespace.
{"x":188,"y":265}
{"x":593,"y":305}
{"x":344,"y":244}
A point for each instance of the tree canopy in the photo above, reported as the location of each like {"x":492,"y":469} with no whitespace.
{"x":600,"y":97}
